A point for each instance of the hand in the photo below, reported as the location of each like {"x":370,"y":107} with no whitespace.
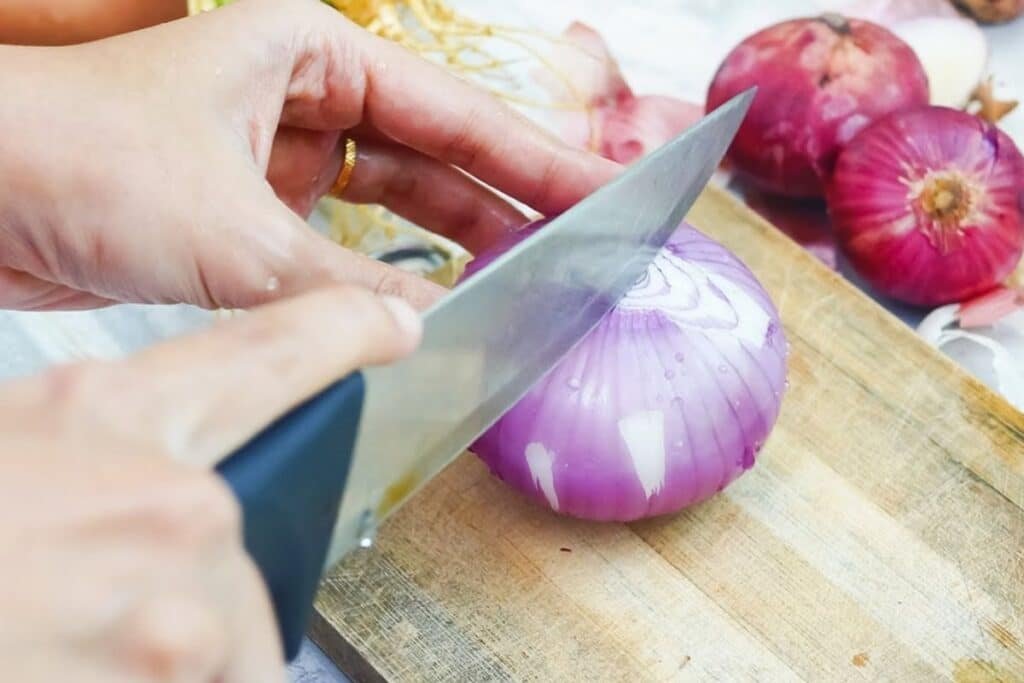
{"x":60,"y":22}
{"x":173,"y":164}
{"x":122,"y":553}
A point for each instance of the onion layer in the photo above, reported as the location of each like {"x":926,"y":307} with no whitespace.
{"x":927,"y":205}
{"x":667,"y":401}
{"x":820,"y":81}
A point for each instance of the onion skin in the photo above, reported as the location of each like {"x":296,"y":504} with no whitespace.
{"x":928,"y":205}
{"x":993,"y":11}
{"x":616,"y":122}
{"x":646,"y":415}
{"x":820,"y":81}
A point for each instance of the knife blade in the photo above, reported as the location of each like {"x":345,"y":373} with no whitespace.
{"x":318,"y":482}
{"x":489,"y":341}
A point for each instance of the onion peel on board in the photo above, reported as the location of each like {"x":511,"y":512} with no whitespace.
{"x":985,"y":336}
{"x":989,"y":308}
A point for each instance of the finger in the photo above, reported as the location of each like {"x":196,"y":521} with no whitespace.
{"x":20,"y":291}
{"x":428,"y":193}
{"x":431,"y":194}
{"x":174,"y":637}
{"x":257,"y":655}
{"x":303,"y":165}
{"x":419,"y":104}
{"x":255,"y":367}
{"x":258,"y":250}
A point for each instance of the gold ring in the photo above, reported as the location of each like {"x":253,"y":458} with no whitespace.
{"x":345,"y":174}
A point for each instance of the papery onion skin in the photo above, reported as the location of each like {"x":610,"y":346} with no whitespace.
{"x":667,"y":401}
{"x":820,"y":81}
{"x":993,"y":11}
{"x":928,"y":205}
{"x":619,"y":124}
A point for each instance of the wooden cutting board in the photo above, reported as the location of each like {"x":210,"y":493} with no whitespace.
{"x":880,"y":536}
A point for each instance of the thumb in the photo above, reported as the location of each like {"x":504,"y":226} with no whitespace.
{"x":198,"y":397}
{"x":258,"y":365}
{"x":265,"y":252}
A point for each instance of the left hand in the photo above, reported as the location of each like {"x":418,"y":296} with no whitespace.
{"x":122,"y":553}
{"x":175,"y":164}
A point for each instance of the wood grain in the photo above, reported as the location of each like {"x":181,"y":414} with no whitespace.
{"x":879,"y":537}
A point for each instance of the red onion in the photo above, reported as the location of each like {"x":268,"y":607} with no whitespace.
{"x":927,"y":205}
{"x":668,"y":399}
{"x":820,"y":81}
{"x":986,"y":337}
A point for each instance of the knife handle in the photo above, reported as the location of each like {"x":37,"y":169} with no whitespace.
{"x":289,"y":480}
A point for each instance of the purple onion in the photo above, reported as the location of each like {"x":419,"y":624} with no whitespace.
{"x":667,"y":400}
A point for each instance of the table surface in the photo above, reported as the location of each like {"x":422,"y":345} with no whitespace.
{"x":651,"y":40}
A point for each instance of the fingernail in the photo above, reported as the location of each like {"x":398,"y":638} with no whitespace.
{"x":405,"y":316}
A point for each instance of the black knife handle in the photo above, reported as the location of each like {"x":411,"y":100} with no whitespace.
{"x":289,"y":480}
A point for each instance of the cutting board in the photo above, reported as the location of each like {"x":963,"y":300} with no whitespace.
{"x":880,"y":535}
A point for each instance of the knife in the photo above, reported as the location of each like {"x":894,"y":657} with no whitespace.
{"x":317,"y":483}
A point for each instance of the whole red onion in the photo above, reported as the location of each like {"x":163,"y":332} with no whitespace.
{"x":664,"y":403}
{"x":820,"y":81}
{"x":927,"y":204}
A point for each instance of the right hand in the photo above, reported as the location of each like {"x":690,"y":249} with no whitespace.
{"x":121,"y":551}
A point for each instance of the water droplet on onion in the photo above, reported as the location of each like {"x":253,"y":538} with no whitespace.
{"x":722,"y":369}
{"x":574,"y":384}
{"x":367,"y":529}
